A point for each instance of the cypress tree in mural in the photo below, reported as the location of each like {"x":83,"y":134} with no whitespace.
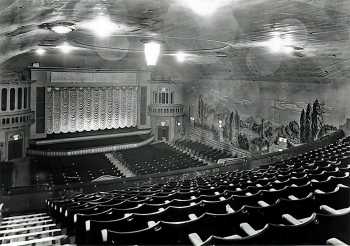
{"x":230,"y":127}
{"x":237,"y":124}
{"x":308,"y":136}
{"x":262,"y":129}
{"x":314,"y":119}
{"x":201,"y":110}
{"x":302,"y":126}
{"x":200,"y":101}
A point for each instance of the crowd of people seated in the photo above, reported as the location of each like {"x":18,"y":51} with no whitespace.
{"x":71,"y":169}
{"x":155,"y":158}
{"x":302,"y":200}
{"x":202,"y":150}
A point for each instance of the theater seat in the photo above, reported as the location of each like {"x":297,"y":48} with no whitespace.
{"x":332,"y":226}
{"x":146,"y":236}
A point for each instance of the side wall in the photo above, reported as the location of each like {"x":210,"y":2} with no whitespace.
{"x":254,"y":115}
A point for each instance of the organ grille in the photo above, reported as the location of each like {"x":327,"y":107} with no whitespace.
{"x":78,"y":109}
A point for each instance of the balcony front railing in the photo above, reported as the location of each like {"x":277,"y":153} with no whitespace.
{"x":14,"y":120}
{"x":166,"y":109}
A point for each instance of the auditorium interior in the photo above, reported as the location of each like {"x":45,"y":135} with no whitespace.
{"x":174,"y":122}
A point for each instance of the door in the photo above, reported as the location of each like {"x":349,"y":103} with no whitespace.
{"x":15,"y":146}
{"x":163,"y":133}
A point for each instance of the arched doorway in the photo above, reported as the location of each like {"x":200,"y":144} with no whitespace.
{"x":15,"y":146}
{"x":163,"y":133}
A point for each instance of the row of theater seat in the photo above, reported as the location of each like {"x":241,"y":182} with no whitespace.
{"x":202,"y":150}
{"x":155,"y":158}
{"x":31,"y":229}
{"x":303,"y":200}
{"x":72,"y":169}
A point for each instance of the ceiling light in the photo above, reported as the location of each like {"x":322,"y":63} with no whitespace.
{"x":275,"y":44}
{"x":65,"y":48}
{"x":102,"y":26}
{"x":181,"y":56}
{"x":152,"y":51}
{"x":61,"y":29}
{"x":205,"y":7}
{"x":279,"y":43}
{"x":40,"y":51}
{"x":288,"y":49}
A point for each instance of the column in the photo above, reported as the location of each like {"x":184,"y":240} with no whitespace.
{"x":23,"y":97}
{"x":8,"y":99}
{"x":16,"y":98}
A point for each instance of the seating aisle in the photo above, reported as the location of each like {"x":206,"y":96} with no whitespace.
{"x":202,"y":150}
{"x":302,"y":200}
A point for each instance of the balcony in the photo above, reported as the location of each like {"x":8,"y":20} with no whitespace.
{"x":15,"y":120}
{"x":169,"y":110}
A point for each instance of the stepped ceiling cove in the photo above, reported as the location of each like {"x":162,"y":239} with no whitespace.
{"x":222,"y":39}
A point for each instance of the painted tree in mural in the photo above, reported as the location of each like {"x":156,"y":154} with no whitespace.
{"x":237,"y":123}
{"x":316,"y":110}
{"x":307,"y":129}
{"x":230,"y":126}
{"x":302,"y":126}
{"x":202,"y":110}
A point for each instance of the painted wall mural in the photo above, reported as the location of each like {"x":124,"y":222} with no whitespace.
{"x":255,"y":118}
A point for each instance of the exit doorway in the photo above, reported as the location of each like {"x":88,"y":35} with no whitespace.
{"x":163,"y":133}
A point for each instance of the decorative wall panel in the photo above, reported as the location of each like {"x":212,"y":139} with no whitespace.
{"x":91,"y":108}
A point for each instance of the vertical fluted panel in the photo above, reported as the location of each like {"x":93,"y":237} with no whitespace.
{"x":116,"y":107}
{"x":65,"y":110}
{"x":72,"y":110}
{"x":128,"y":107}
{"x":88,"y":109}
{"x":49,"y":123}
{"x":56,"y":95}
{"x":102,"y":108}
{"x":134,"y":106}
{"x":109,"y":123}
{"x":80,"y":110}
{"x":95,"y":108}
{"x":122,"y":111}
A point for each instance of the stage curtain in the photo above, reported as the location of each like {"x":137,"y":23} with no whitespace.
{"x":91,"y":108}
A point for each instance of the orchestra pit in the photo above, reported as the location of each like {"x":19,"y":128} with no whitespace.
{"x":174,"y":122}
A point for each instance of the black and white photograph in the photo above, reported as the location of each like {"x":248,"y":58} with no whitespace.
{"x":174,"y":122}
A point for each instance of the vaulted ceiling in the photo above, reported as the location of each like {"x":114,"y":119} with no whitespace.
{"x":224,"y":39}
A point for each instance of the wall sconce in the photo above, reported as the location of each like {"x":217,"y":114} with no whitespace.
{"x":282,"y":140}
{"x":220,"y":123}
{"x":178,"y":123}
{"x":192,"y":118}
{"x":162,"y":123}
